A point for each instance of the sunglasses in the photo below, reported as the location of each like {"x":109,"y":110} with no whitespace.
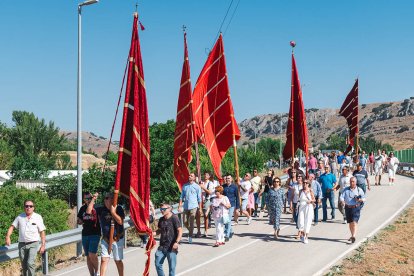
{"x":277,"y":181}
{"x":88,"y":198}
{"x":28,"y":206}
{"x":163,"y":209}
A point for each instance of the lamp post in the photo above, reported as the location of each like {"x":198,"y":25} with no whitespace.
{"x":78,"y":120}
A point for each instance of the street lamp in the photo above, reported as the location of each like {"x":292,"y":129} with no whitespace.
{"x":78,"y":121}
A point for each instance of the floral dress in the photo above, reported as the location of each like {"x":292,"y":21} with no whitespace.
{"x":276,"y":199}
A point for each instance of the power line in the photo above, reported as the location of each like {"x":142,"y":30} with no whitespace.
{"x":231,"y":18}
{"x":222,"y":23}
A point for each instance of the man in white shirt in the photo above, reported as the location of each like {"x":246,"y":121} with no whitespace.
{"x":31,"y":231}
{"x":344,"y":181}
{"x":207,"y":196}
{"x":244,"y":195}
{"x":379,"y":165}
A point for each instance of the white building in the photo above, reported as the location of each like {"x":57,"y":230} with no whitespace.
{"x":31,"y":184}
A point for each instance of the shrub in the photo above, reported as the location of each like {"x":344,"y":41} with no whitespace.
{"x":54,"y":211}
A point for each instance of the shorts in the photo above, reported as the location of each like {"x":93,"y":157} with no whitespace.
{"x":244,"y":204}
{"x":378,"y":171}
{"x":352,"y":214}
{"x":117,"y":250}
{"x":90,"y":244}
{"x":206,"y":205}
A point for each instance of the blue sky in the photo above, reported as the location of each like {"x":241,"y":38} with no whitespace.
{"x":336,"y":42}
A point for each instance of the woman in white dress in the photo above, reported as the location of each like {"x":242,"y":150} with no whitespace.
{"x":220,"y":207}
{"x":305,"y":211}
{"x":392,"y":168}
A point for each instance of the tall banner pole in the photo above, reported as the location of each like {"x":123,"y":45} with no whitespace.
{"x":236,"y":168}
{"x":293,"y":44}
{"x":198,"y":166}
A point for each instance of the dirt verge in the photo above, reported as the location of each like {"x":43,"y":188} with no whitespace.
{"x":390,"y":252}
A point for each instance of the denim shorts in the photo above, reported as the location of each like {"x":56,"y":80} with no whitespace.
{"x":352,"y":214}
{"x":90,"y":244}
{"x":117,"y":250}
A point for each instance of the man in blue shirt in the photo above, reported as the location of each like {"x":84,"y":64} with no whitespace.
{"x":232,"y":192}
{"x":352,"y":198}
{"x":362,"y":178}
{"x":191,"y":197}
{"x":329,"y":184}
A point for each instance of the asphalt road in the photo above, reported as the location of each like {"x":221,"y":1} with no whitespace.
{"x":253,"y":250}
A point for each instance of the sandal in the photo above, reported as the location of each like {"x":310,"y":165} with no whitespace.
{"x":217,"y":244}
{"x":198,"y":235}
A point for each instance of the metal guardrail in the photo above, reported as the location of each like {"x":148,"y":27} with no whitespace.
{"x":11,"y":252}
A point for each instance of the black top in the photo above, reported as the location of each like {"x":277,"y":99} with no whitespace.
{"x":268,"y":180}
{"x":105,"y":220}
{"x":90,"y":222}
{"x":169,"y":233}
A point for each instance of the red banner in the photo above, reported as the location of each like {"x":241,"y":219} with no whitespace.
{"x":214,"y":119}
{"x":297,"y":131}
{"x":133,"y":170}
{"x":349,"y":110}
{"x":184,"y":133}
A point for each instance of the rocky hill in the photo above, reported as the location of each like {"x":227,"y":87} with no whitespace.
{"x":391,"y":123}
{"x":91,"y":142}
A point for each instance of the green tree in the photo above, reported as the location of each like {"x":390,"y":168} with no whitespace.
{"x":334,"y":142}
{"x":62,"y":187}
{"x":162,"y":147}
{"x":96,"y":181}
{"x":35,"y":144}
{"x":112,"y":158}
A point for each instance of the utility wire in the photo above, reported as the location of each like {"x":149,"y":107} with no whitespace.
{"x":222,"y":23}
{"x":231,"y":18}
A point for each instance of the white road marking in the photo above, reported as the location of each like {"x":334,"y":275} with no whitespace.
{"x":326,"y":267}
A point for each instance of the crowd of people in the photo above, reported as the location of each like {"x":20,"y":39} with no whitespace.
{"x":223,"y":205}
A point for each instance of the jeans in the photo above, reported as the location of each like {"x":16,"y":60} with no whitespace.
{"x":316,"y":210}
{"x":264,"y":199}
{"x":159,"y":261}
{"x":295,"y":213}
{"x":331,"y":197}
{"x":27,"y":254}
{"x":227,"y":226}
{"x":340,"y":206}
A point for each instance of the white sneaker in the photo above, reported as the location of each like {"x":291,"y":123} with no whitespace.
{"x":306,"y":241}
{"x":249,"y":220}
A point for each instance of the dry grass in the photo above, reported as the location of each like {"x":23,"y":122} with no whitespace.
{"x":391,"y":252}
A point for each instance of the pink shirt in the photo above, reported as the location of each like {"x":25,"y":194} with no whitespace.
{"x":313,"y":163}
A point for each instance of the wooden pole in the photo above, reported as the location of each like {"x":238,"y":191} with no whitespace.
{"x":198,"y":167}
{"x":236,"y":169}
{"x":293,"y":116}
{"x":112,"y":230}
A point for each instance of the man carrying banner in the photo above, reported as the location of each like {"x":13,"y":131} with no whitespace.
{"x":106,"y":214}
